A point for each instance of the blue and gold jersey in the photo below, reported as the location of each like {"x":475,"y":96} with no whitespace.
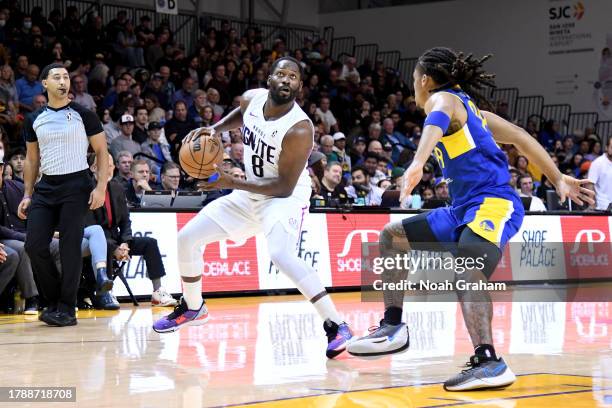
{"x":471,"y":161}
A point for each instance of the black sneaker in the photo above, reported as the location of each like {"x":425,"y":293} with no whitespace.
{"x":61,"y":319}
{"x":43,"y":317}
{"x":31,"y":306}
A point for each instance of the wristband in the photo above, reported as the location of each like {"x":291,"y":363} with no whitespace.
{"x":439,"y":119}
{"x":27,"y":196}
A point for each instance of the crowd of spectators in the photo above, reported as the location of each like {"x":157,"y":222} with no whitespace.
{"x":150,"y":92}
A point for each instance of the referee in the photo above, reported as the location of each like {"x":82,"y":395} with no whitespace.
{"x":57,"y":138}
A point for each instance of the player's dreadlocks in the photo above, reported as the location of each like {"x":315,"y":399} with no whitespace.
{"x":449,"y":69}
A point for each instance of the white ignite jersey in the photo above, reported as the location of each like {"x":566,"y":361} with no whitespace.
{"x":263,"y":141}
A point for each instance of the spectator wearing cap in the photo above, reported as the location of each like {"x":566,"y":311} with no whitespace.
{"x":178,"y":127}
{"x":331,"y":187}
{"x":326,"y":115}
{"x":398,"y":141}
{"x":317,"y":162}
{"x":441,"y":189}
{"x":340,"y":150}
{"x":370,"y":165}
{"x":397,"y":175}
{"x":362,"y":190}
{"x":79,"y":90}
{"x":16,"y":159}
{"x":533,"y":203}
{"x":600,"y":173}
{"x":358,"y":151}
{"x":124,"y":141}
{"x":140,"y":124}
{"x":156,"y":148}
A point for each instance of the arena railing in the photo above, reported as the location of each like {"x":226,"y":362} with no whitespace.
{"x":406,"y":68}
{"x":581,"y":121}
{"x":292,"y":34}
{"x":342,"y":45}
{"x":604,"y":131}
{"x":508,"y":95}
{"x":528,"y":107}
{"x":184,"y":26}
{"x":559,"y":112}
{"x":390,"y":59}
{"x":365,"y":51}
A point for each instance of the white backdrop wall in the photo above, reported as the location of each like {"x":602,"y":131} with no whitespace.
{"x":534,"y":50}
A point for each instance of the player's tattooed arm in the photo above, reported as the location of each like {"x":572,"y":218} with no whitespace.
{"x":296,"y":148}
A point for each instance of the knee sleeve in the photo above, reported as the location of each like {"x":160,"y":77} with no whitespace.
{"x":472,"y":245}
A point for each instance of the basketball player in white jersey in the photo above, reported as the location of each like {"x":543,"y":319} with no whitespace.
{"x":273,"y":200}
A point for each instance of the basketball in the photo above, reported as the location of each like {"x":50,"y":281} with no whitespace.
{"x":199,"y":156}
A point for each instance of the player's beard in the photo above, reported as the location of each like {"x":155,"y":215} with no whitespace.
{"x":281,"y":100}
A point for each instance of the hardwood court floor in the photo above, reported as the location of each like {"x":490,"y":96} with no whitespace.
{"x":269,"y":351}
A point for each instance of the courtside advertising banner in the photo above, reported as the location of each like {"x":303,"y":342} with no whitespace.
{"x":545,"y":248}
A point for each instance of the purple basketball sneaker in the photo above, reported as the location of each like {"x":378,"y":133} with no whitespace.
{"x":337,"y":337}
{"x":181,"y":316}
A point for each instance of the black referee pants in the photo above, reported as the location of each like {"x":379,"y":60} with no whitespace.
{"x":59,"y":203}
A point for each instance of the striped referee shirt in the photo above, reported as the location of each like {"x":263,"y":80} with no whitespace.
{"x":63,"y":137}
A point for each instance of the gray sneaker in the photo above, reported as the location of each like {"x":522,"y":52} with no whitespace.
{"x":482,"y":373}
{"x":382,"y":340}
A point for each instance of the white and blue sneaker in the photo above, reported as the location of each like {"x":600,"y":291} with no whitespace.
{"x":482,"y":373}
{"x":382,"y":340}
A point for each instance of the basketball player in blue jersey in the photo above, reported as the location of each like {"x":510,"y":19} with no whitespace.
{"x":273,"y":200}
{"x":485,"y":213}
